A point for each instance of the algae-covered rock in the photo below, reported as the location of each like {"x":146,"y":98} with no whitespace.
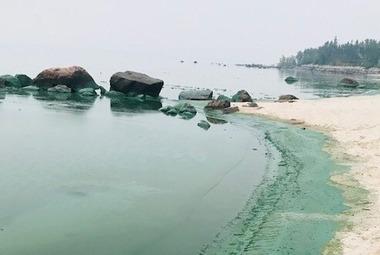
{"x":204,"y":125}
{"x":184,"y":110}
{"x":87,"y":92}
{"x":242,"y":96}
{"x":224,"y":98}
{"x":24,"y":80}
{"x":9,"y":81}
{"x":169,"y":110}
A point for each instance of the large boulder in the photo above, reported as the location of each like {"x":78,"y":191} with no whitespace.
{"x":242,"y":96}
{"x":348,"y":82}
{"x":133,"y":84}
{"x":196,"y":94}
{"x":218,"y":104}
{"x":74,"y":77}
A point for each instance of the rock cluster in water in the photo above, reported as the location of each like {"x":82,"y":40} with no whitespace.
{"x":184,"y":110}
{"x":17,"y":81}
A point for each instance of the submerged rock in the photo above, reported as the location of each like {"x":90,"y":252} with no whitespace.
{"x":290,"y":80}
{"x":74,"y":77}
{"x":87,"y":92}
{"x":186,"y":110}
{"x":133,"y":84}
{"x":218,"y":104}
{"x":196,"y":94}
{"x":59,"y":89}
{"x":216,"y":120}
{"x":242,"y":96}
{"x":288,"y":98}
{"x":169,"y":110}
{"x":204,"y":125}
{"x":347,"y":82}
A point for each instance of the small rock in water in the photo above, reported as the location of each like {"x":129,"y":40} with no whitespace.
{"x":348,"y":82}
{"x":196,"y":94}
{"x":218,"y":104}
{"x":204,"y":125}
{"x":230,"y":110}
{"x":242,"y":96}
{"x":287,"y":98}
{"x":291,"y":80}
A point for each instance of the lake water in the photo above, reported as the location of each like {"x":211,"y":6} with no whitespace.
{"x":88,"y":176}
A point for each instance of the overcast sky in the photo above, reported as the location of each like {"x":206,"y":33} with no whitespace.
{"x":234,"y":30}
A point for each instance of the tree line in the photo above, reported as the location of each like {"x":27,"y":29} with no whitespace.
{"x":359,"y":53}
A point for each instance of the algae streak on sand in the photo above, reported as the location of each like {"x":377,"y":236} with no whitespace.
{"x":296,"y":210}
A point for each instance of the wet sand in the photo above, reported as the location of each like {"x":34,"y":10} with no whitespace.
{"x":354,"y":126}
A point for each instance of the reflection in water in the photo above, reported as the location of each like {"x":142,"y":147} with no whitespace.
{"x":64,"y":100}
{"x":134,"y":104}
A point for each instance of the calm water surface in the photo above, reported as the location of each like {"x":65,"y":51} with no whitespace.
{"x":94,"y":176}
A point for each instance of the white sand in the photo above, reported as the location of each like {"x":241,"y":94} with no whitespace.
{"x":354,"y":124}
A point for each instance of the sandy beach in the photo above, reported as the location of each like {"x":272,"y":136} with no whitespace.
{"x":353,"y":124}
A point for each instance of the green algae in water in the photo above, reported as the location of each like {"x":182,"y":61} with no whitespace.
{"x":296,"y":210}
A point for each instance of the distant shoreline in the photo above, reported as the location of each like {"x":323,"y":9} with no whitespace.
{"x":347,"y":70}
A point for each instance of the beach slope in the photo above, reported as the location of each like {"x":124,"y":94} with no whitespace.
{"x":353,"y":124}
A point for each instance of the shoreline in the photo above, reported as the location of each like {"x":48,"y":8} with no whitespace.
{"x":286,"y":207}
{"x":353,"y":125}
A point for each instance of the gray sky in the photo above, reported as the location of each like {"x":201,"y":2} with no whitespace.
{"x":236,"y":31}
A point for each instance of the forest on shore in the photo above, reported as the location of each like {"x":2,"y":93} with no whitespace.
{"x":359,"y":53}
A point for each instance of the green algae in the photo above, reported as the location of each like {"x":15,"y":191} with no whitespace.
{"x":296,"y":209}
